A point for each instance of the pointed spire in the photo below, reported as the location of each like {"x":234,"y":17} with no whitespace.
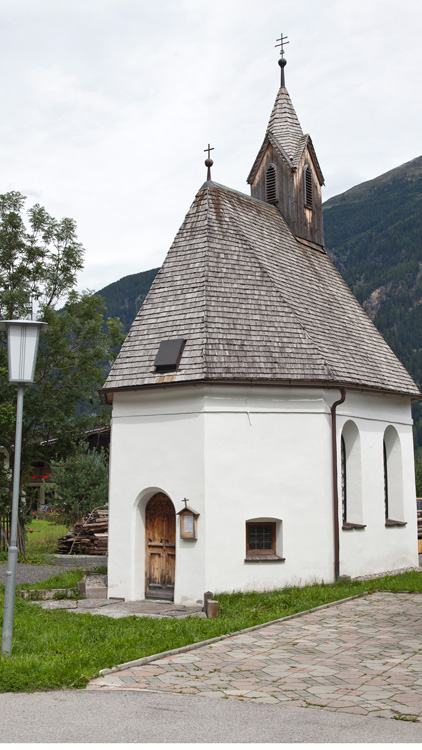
{"x":282,"y":62}
{"x":284,"y":125}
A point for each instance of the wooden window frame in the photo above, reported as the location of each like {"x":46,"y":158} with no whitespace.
{"x":261,"y":551}
{"x":262,"y":555}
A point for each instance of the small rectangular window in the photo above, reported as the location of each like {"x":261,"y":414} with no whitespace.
{"x":260,"y":539}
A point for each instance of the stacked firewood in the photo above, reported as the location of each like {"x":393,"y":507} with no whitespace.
{"x":87,"y":537}
{"x":420,"y":530}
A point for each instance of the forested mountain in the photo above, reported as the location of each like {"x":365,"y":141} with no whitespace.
{"x":373,"y":233}
{"x":125,"y":297}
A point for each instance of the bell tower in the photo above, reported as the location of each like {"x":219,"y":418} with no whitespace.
{"x":286,"y":172}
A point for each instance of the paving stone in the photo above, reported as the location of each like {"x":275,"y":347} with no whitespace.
{"x":359,"y":657}
{"x":356,"y":710}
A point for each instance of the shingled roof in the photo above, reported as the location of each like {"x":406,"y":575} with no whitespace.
{"x":254,"y":305}
{"x":286,"y":136}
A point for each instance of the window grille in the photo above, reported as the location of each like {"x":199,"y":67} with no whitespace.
{"x":260,"y":537}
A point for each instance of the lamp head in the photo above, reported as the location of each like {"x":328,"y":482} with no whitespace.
{"x":22,"y":348}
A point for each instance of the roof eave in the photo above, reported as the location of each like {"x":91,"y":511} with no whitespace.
{"x":106,"y":394}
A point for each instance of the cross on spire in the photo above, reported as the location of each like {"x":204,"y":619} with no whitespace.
{"x":209,"y":162}
{"x":281,"y":41}
{"x":282,"y":62}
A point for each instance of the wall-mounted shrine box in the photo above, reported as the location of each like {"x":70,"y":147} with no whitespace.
{"x":188,"y":522}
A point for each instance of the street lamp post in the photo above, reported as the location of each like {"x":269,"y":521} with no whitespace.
{"x":22,"y":347}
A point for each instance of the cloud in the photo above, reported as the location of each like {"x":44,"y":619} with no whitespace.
{"x":107,"y":105}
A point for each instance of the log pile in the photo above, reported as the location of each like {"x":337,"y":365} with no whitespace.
{"x":419,"y":531}
{"x":87,"y":537}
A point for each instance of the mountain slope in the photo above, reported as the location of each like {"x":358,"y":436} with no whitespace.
{"x":124,"y":297}
{"x":373,"y":234}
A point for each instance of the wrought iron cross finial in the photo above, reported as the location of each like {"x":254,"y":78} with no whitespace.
{"x":185,"y":499}
{"x":282,"y":42}
{"x":282,"y":61}
{"x":209,"y":162}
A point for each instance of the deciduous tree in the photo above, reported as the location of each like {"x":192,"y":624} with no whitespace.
{"x":38,"y":267}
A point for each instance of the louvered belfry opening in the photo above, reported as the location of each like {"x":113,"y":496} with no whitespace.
{"x":271,"y":185}
{"x":308,"y":187}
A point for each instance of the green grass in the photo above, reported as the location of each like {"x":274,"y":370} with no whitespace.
{"x":42,"y":536}
{"x":67,"y":579}
{"x":59,"y":649}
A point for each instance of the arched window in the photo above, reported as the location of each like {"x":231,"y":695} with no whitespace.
{"x":351,"y":477}
{"x":393,"y":478}
{"x":271,"y":185}
{"x":308,"y":186}
{"x":343,"y":480}
{"x":384,"y":455}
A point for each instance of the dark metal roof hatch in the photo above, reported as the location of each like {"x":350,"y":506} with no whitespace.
{"x":169,"y":354}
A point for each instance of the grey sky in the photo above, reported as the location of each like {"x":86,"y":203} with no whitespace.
{"x":107,"y":105}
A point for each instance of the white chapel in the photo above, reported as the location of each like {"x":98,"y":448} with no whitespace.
{"x":261,"y":426}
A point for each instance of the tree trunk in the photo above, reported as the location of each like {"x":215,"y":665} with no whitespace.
{"x":4,"y":539}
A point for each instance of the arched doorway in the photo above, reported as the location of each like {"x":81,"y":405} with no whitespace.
{"x":160,"y":531}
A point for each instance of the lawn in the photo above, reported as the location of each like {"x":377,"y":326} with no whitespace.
{"x":59,"y":649}
{"x":42,"y":536}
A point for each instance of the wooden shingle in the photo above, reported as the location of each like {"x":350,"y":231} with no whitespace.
{"x":255,"y":305}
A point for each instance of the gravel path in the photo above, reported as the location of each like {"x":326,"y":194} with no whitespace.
{"x":33,"y":573}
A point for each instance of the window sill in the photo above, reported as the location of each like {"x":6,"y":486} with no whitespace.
{"x":264,"y":558}
{"x":347,"y":526}
{"x":390,"y":522}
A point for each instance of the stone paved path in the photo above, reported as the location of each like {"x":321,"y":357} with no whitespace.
{"x":363,"y":657}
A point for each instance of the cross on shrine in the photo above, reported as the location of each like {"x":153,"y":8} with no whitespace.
{"x":209,"y":162}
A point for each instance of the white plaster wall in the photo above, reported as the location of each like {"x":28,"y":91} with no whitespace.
{"x":268,"y":455}
{"x":377,"y":548}
{"x":156,"y":445}
{"x":240,"y":453}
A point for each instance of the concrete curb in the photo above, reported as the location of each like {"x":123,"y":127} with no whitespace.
{"x":201,"y":644}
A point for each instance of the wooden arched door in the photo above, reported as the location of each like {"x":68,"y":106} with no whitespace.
{"x":160,"y":530}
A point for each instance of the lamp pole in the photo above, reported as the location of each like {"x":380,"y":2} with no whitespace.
{"x":12,"y":556}
{"x":22,"y":354}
